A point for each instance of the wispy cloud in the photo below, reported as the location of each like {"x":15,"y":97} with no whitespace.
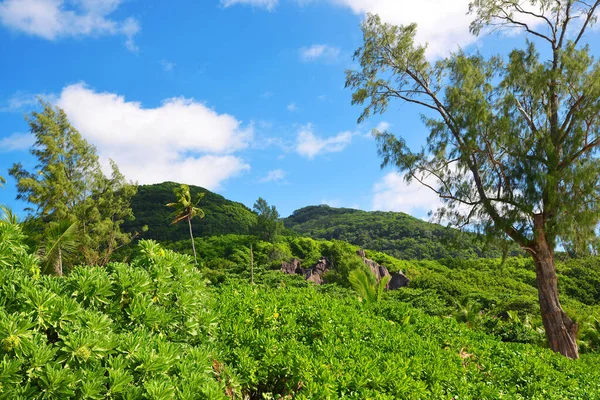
{"x":310,"y":145}
{"x":276,"y":175}
{"x":442,"y":24}
{"x":267,"y":4}
{"x":292,"y":107}
{"x":54,"y":19}
{"x":21,"y":101}
{"x":320,"y":52}
{"x":16,"y":142}
{"x":167,"y":65}
{"x":393,"y":193}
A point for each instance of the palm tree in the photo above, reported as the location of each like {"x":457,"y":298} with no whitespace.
{"x":185,"y":209}
{"x":366,"y":285}
{"x":60,"y":243}
{"x":7,"y":216}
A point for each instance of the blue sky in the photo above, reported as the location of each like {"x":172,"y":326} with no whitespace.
{"x":244,"y":97}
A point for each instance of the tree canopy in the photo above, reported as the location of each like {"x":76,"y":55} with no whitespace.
{"x":268,"y":226}
{"x":67,"y":184}
{"x":398,"y":234}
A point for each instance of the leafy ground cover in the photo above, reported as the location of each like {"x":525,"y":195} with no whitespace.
{"x":153,"y":329}
{"x":488,"y":295}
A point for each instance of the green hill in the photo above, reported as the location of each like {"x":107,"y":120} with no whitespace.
{"x":222,"y":216}
{"x":397,"y":234}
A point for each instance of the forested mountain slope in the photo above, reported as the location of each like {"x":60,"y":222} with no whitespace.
{"x":397,"y":234}
{"x":222,"y":216}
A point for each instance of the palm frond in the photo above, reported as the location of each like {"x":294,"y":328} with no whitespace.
{"x":200,"y":197}
{"x":60,"y":242}
{"x":178,"y":218}
{"x":382,"y":285}
{"x":7,"y":216}
{"x":363,"y":284}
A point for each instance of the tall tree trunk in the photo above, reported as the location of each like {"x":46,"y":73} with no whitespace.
{"x":58,"y":268}
{"x":561,"y":331}
{"x":192,"y":237}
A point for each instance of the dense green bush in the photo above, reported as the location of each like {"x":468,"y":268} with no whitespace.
{"x":154,"y":330}
{"x":300,"y":342}
{"x":124,"y":332}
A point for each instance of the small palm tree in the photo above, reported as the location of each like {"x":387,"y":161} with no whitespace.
{"x":589,"y":334}
{"x":365,"y":284}
{"x":7,"y":216}
{"x":185,"y":209}
{"x":59,"y":244}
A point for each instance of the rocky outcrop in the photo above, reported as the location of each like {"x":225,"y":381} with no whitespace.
{"x":378,"y":270}
{"x":397,"y":279}
{"x":315,"y":273}
{"x":292,"y":267}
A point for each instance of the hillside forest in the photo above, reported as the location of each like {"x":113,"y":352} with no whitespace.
{"x":114,"y":290}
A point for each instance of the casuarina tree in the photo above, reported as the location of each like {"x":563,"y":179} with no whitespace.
{"x":67,"y":183}
{"x":512,"y":144}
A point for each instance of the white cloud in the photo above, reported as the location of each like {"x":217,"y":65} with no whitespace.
{"x":167,"y":65}
{"x":383,"y":126}
{"x":268,"y":4}
{"x":181,"y":140}
{"x":292,"y":107}
{"x":319,"y":52}
{"x":16,"y":142}
{"x":309,"y":145}
{"x":444,"y":24}
{"x":393,"y":193}
{"x":276,"y":175}
{"x":54,"y":19}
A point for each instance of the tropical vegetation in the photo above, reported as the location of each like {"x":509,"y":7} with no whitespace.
{"x":102,"y":296}
{"x":513,"y":142}
{"x":394,"y":233}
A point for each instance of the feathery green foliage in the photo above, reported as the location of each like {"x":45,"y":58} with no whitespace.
{"x":268,"y":226}
{"x":68,"y":184}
